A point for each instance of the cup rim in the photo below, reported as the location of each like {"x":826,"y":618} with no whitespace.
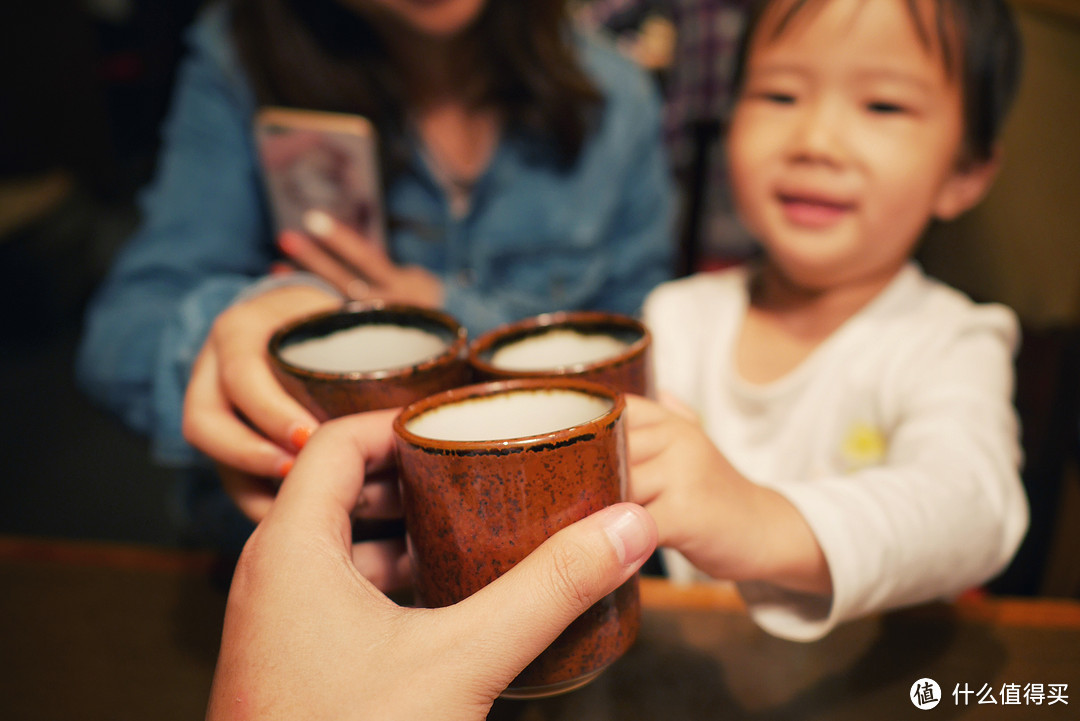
{"x":539,"y":324}
{"x":456,"y":349}
{"x":500,"y":387}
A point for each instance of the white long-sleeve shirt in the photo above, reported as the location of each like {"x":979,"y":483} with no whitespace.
{"x":896,"y":439}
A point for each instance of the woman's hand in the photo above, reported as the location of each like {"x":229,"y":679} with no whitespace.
{"x":235,"y":411}
{"x":306,"y":635}
{"x":356,"y":265}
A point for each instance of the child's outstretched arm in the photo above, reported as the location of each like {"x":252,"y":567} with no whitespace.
{"x":941,"y":511}
{"x":725,"y":524}
{"x":944,"y":509}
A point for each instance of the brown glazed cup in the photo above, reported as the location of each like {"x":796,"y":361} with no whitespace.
{"x":552,"y":354}
{"x":488,"y":472}
{"x":338,"y":392}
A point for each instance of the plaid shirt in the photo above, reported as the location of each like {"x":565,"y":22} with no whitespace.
{"x":699,"y":81}
{"x":698,"y":84}
{"x":697,"y":87}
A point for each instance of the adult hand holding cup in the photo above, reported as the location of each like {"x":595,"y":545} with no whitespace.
{"x":342,"y":649}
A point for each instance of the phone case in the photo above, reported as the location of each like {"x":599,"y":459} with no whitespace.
{"x":313,"y":160}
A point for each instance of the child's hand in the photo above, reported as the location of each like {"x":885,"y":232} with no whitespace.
{"x":726,"y":525}
{"x":687,"y":485}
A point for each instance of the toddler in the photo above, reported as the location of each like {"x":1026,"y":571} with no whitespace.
{"x":844,"y":439}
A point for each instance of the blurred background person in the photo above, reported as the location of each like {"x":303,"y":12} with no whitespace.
{"x":689,"y":45}
{"x":524,"y":172}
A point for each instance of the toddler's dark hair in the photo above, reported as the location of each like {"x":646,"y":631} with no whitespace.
{"x":979,"y":42}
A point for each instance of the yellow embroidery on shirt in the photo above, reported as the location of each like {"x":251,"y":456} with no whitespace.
{"x":863,"y":446}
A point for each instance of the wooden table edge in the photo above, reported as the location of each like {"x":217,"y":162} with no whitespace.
{"x":656,"y":593}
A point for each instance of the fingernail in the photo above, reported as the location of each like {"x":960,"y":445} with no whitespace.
{"x":285,"y":467}
{"x":318,"y":223}
{"x":280,"y":269}
{"x":299,"y":435}
{"x":628,"y":532}
{"x":288,"y":242}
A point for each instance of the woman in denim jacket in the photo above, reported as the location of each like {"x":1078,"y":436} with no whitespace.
{"x":522,"y":164}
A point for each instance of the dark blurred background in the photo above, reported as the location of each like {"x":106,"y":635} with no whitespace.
{"x":83,"y":89}
{"x":84,"y":85}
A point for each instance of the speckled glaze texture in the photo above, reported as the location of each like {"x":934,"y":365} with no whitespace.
{"x":473,"y":509}
{"x":628,"y":372}
{"x":331,"y":395}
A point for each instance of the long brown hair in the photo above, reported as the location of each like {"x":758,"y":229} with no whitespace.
{"x":320,"y":55}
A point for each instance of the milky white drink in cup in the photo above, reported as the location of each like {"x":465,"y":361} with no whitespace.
{"x":364,"y":349}
{"x":557,"y":348}
{"x":502,"y":416}
{"x":607,"y":348}
{"x":366,"y":357}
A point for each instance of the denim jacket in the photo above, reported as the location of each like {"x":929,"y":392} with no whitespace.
{"x":538,"y":237}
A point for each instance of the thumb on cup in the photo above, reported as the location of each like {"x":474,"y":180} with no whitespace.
{"x":519,"y":614}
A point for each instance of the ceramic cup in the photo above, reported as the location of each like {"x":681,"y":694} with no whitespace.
{"x":606,"y":348}
{"x":488,"y":472}
{"x":368,"y":357}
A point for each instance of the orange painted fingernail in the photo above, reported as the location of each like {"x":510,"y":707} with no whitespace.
{"x":288,"y":242}
{"x":299,"y":435}
{"x":285,"y":467}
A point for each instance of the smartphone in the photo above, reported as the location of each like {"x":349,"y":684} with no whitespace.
{"x":314,"y":160}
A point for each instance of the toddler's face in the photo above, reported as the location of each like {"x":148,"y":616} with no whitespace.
{"x":845,"y":140}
